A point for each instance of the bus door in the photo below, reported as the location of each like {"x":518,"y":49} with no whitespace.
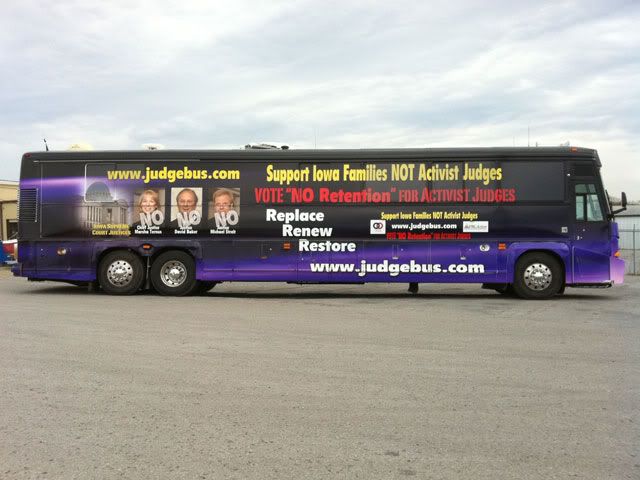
{"x":591,"y":246}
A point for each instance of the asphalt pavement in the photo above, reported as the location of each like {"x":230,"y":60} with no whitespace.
{"x":276,"y":381}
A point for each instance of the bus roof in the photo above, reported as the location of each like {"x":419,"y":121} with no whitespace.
{"x":504,"y":153}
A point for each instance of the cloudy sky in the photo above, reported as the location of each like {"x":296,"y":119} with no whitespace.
{"x":348,"y":74}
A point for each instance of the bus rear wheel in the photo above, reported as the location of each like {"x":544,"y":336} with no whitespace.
{"x":538,"y":276}
{"x":121,"y":273}
{"x":173,"y":273}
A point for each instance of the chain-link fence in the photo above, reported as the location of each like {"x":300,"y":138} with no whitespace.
{"x":630,"y":249}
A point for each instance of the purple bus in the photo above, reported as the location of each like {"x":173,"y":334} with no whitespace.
{"x":524,"y":221}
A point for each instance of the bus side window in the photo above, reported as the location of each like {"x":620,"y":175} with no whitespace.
{"x":580,"y":207}
{"x":594,"y":212}
{"x":587,"y":204}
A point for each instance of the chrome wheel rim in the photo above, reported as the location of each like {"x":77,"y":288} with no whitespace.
{"x":173,"y":273}
{"x":537,"y":276}
{"x":120,"y":273}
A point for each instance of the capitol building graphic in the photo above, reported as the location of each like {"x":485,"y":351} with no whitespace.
{"x":100,"y":206}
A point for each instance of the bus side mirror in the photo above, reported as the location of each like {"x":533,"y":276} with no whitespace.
{"x":623,"y":202}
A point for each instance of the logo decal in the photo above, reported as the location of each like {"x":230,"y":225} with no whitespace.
{"x":378,"y":227}
{"x":477,"y":226}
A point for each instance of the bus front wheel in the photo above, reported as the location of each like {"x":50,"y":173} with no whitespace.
{"x":174,"y":274}
{"x":121,"y":273}
{"x":538,"y":275}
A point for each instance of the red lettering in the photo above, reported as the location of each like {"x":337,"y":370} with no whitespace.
{"x":301,"y":195}
{"x":269,"y":195}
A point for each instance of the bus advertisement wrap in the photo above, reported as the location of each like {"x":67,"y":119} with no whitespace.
{"x":311,"y":220}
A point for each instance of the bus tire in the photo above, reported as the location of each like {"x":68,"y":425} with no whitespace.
{"x":173,"y":273}
{"x":121,"y":273}
{"x":538,"y":276}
